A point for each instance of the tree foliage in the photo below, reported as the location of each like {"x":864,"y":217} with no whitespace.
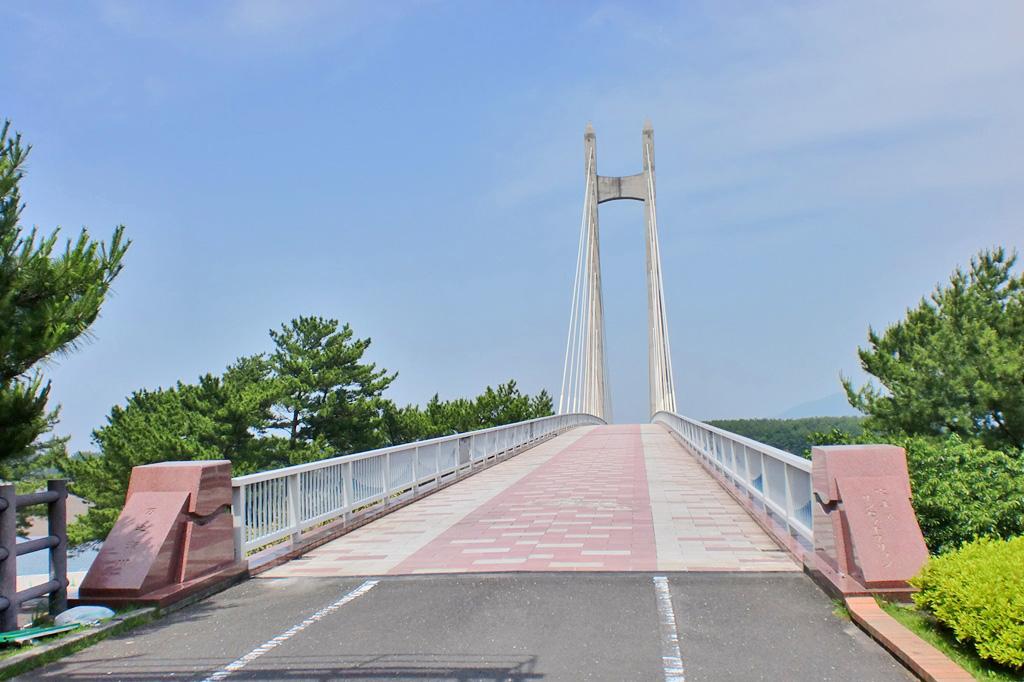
{"x":955,"y":364}
{"x":313,"y":396}
{"x":505,"y":404}
{"x":326,"y":396}
{"x":49,"y":298}
{"x":791,"y":435}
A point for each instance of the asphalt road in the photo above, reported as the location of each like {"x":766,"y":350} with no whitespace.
{"x":525,"y":626}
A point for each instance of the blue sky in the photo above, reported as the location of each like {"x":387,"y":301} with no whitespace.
{"x":416,"y":169}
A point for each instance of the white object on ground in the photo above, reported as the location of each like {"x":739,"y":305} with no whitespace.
{"x":83,"y":615}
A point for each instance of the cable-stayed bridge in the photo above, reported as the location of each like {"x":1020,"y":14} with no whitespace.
{"x":562,"y":548}
{"x":585,"y":386}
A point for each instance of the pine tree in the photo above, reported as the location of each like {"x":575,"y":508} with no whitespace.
{"x":955,"y":364}
{"x":329,"y":400}
{"x":48,"y":301}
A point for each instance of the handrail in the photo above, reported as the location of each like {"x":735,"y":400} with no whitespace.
{"x":284,"y":503}
{"x":320,"y":464}
{"x":777,"y":480}
{"x":56,"y":542}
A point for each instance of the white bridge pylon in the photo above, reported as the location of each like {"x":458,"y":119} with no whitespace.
{"x":585,"y":385}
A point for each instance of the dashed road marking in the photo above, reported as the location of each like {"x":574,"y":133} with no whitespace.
{"x":671,"y":657}
{"x":237,"y":665}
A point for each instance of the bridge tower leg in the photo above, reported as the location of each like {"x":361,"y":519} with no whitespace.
{"x":596,"y":395}
{"x":585,"y":373}
{"x":659,"y":353}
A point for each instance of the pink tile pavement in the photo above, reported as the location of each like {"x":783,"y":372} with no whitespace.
{"x":395,"y":537}
{"x":587,"y":508}
{"x":607,"y":498}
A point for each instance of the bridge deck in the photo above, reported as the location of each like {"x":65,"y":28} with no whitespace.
{"x":606,"y":498}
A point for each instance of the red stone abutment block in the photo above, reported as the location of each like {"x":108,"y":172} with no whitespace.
{"x":866,"y":536}
{"x":172,"y":540}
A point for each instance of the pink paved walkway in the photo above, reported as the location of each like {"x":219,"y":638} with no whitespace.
{"x":587,"y":508}
{"x":609,"y":498}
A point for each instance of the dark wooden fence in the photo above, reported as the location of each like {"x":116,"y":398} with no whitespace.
{"x":55,"y":498}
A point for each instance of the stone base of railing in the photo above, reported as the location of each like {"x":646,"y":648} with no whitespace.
{"x":839,"y":585}
{"x":866,"y":537}
{"x":171,"y":594}
{"x":172,"y":540}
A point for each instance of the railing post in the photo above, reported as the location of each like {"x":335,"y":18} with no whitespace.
{"x":765,"y":486}
{"x":57,"y":526}
{"x":294,"y":517}
{"x":416,"y":470}
{"x":467,"y":451}
{"x":387,"y":479}
{"x":346,"y":489}
{"x":789,"y":499}
{"x":8,"y":565}
{"x":746,"y":471}
{"x":238,"y":522}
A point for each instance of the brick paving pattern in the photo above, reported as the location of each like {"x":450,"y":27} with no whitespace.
{"x":698,"y":526}
{"x":609,"y":498}
{"x":586,"y":509}
{"x":376,"y":548}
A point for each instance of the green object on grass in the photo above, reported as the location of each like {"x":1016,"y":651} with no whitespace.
{"x":27,"y":634}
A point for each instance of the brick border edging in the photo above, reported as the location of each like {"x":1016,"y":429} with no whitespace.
{"x":920,"y":657}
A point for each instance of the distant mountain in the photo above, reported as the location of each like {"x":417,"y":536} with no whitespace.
{"x":834,"y":405}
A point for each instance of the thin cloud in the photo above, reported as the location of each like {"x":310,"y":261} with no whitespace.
{"x":264,"y":27}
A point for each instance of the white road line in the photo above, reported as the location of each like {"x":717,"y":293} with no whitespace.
{"x":237,"y":665}
{"x":671,"y":658}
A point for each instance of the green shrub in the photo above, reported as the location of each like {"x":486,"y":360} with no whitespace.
{"x":963,"y":490}
{"x":977,"y":591}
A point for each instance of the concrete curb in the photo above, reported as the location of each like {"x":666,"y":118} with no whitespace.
{"x":38,"y":656}
{"x":924,"y":660}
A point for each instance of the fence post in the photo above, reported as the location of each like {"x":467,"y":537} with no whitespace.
{"x":765,"y":486}
{"x":346,"y":489}
{"x":416,"y":470}
{"x":238,"y":512}
{"x":8,"y":565}
{"x":294,"y":518}
{"x":57,"y":515}
{"x":789,"y":499}
{"x":746,"y":472}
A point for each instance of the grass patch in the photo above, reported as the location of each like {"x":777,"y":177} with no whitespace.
{"x":9,"y":650}
{"x":930,"y":630}
{"x":53,"y":649}
{"x":839,"y":609}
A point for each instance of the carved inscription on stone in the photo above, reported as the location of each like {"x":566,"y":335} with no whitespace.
{"x":883,"y":527}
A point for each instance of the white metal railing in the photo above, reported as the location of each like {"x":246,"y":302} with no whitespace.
{"x":777,"y":479}
{"x":283,"y":503}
